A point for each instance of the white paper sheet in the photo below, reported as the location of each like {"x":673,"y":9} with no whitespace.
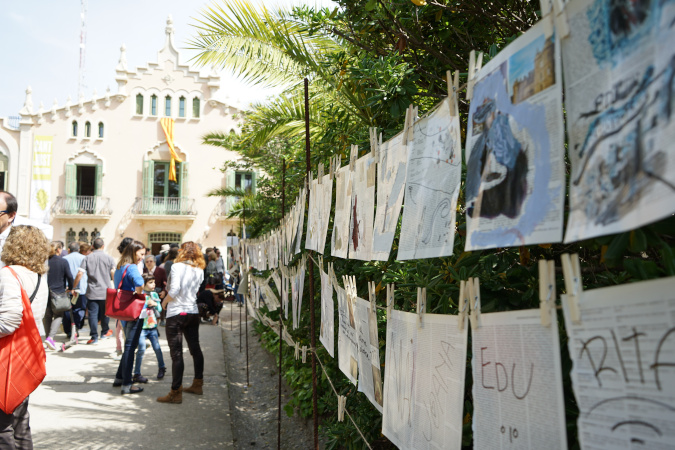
{"x":391,"y":174}
{"x":623,"y":374}
{"x":517,"y":382}
{"x":424,"y":381}
{"x":348,"y":346}
{"x":515,"y":178}
{"x":327,"y":332}
{"x":300,"y":219}
{"x":434,"y":172}
{"x":619,"y":61}
{"x":370,"y":376}
{"x":326,"y":198}
{"x":362,"y":209}
{"x":343,"y":195}
{"x":313,"y":216}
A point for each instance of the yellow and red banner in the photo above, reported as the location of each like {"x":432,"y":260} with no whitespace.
{"x":41,"y":180}
{"x":167,"y":126}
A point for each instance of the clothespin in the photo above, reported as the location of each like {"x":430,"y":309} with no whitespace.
{"x":410,"y":116}
{"x":342,"y":404}
{"x":453,"y":87}
{"x":374,"y":147}
{"x":372,"y":294}
{"x":421,"y":304}
{"x":320,"y":261}
{"x":463,"y":304}
{"x":390,"y":299}
{"x":308,"y":182}
{"x":546,"y":290}
{"x":474,"y":67}
{"x":353,"y":155}
{"x":297,"y":351}
{"x":572,"y":274}
{"x":304,"y":354}
{"x":561,"y":22}
{"x":474,"y":295}
{"x":319,"y":175}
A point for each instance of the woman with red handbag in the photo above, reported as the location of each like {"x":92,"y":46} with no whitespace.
{"x":128,"y":278}
{"x":21,"y":283}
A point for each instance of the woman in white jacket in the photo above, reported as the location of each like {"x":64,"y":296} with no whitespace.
{"x":26,"y":251}
{"x":182,"y":319}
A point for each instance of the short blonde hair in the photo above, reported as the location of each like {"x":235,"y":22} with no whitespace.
{"x":55,"y":249}
{"x":26,"y":246}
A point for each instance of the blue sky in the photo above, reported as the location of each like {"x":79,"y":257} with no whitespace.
{"x":40,"y":46}
{"x":522,"y":62}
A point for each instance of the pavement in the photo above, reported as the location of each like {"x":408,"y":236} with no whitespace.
{"x":76,"y":406}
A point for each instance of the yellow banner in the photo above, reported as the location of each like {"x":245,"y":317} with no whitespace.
{"x":41,"y":181}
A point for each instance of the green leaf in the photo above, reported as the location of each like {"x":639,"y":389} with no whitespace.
{"x":371,"y":5}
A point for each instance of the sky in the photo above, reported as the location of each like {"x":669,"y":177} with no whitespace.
{"x":40,"y":44}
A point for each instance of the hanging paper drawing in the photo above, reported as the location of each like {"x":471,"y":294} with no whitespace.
{"x":343,"y":198}
{"x":363,"y":209}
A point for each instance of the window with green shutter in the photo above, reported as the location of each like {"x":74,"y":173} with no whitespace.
{"x":195,"y":107}
{"x":181,"y":107}
{"x":70,"y":189}
{"x":153,"y":105}
{"x":148,"y":172}
{"x":167,"y":106}
{"x":139,"y":104}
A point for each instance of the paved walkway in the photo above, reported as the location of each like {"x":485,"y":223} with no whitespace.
{"x":76,"y":406}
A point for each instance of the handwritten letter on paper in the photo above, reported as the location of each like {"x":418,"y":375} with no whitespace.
{"x":424,"y":381}
{"x":517,"y":383}
{"x":370,"y":378}
{"x":343,"y":198}
{"x":623,"y":375}
{"x":348,"y":346}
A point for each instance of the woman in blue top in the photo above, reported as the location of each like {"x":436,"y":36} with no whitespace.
{"x":133,"y":281}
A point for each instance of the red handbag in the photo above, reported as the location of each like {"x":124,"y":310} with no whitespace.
{"x":123,"y":305}
{"x":22,"y":358}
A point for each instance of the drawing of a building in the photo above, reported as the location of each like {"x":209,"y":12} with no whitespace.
{"x":538,"y":79}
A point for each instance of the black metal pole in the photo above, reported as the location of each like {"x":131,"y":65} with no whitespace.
{"x":243,"y":262}
{"x":311,"y":283}
{"x":281,"y":304}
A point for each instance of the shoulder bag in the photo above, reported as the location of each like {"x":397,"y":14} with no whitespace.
{"x":123,"y":305}
{"x":59,"y":302}
{"x":22,"y":357}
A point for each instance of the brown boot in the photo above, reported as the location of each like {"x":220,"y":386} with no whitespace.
{"x":172,"y":397}
{"x":196,"y":387}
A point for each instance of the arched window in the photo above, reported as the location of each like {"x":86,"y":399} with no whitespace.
{"x":195,"y":107}
{"x":181,"y":107}
{"x":139,"y":104}
{"x":100,"y":130}
{"x":167,"y":106}
{"x":153,"y":105}
{"x":87,"y":129}
{"x":74,"y":131}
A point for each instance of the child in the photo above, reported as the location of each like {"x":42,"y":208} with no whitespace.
{"x":151,"y":311}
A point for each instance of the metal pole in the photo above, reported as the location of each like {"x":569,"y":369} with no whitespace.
{"x":241,"y":272}
{"x":247,"y":298}
{"x":281,"y":305}
{"x":311,"y":284}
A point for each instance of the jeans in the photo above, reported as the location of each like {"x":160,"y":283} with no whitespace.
{"x":75,"y":315}
{"x":150,"y":333}
{"x":132,"y":331}
{"x":96,"y":310}
{"x":15,"y":428}
{"x":176,"y":327}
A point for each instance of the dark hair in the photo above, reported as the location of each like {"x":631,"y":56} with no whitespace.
{"x":10,"y":200}
{"x":125,"y":242}
{"x":173,"y":253}
{"x":148,"y":277}
{"x":97,"y":244}
{"x":74,"y":247}
{"x":129,"y":254}
{"x":173,"y":245}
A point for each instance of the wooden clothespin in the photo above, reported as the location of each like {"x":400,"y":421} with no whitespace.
{"x":353,"y":156}
{"x":372,"y":293}
{"x":546,"y":290}
{"x":474,"y":295}
{"x":561,"y":22}
{"x":297,"y":351}
{"x":453,"y":87}
{"x":421,"y":305}
{"x":408,"y":128}
{"x":390,"y":299}
{"x":463,"y":305}
{"x":304,"y":354}
{"x":319,"y":175}
{"x":573,"y":286}
{"x":374,"y":147}
{"x":474,"y":67}
{"x":320,"y":261}
{"x":334,"y":166}
{"x":342,"y":405}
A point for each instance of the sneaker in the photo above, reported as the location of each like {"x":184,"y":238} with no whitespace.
{"x":50,"y":343}
{"x":131,"y":390}
{"x":138,"y":378}
{"x":93,"y":341}
{"x":161,"y":372}
{"x":117,"y":382}
{"x":107,"y":335}
{"x":162,"y":323}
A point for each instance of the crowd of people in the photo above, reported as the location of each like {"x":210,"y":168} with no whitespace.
{"x":182,"y":287}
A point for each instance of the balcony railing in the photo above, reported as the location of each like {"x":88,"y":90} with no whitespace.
{"x":225,"y":206}
{"x":161,"y":206}
{"x":82,"y":204}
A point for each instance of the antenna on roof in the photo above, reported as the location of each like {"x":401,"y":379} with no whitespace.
{"x":83,"y":42}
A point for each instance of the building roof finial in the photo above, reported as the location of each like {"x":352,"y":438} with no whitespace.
{"x":27,"y":109}
{"x":169,"y":25}
{"x":122,"y":64}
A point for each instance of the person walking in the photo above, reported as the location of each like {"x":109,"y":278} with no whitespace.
{"x":59,"y":280}
{"x":77,"y":252}
{"x":129,"y":278}
{"x":99,"y":268}
{"x":182,"y":319}
{"x":25,"y":251}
